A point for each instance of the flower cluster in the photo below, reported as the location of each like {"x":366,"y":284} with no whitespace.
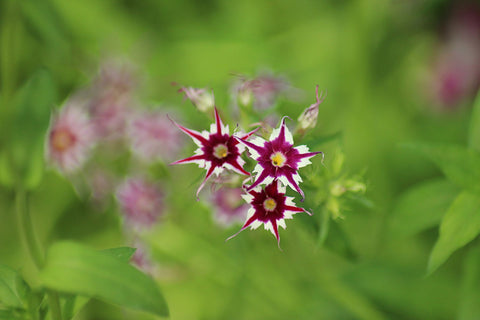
{"x":277,"y":165}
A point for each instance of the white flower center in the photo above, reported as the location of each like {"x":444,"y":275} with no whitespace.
{"x":220,"y":151}
{"x":269,"y":204}
{"x":62,"y":139}
{"x":278,"y":159}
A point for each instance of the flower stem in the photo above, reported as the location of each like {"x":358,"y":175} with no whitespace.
{"x":33,"y":247}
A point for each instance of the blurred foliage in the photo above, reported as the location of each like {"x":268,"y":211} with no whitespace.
{"x":371,"y":55}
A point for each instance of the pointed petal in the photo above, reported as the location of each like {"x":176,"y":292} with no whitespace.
{"x":246,"y":225}
{"x":249,"y":134}
{"x":209,"y":173}
{"x":190,"y":159}
{"x":238,"y":168}
{"x":295,"y":209}
{"x":259,"y":179}
{"x":250,"y":145}
{"x":218,"y":121}
{"x":292,"y":183}
{"x":275,"y":232}
{"x":192,"y":133}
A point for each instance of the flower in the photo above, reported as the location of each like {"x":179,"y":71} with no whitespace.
{"x":216,"y":151}
{"x":278,"y":159}
{"x":152,"y":137}
{"x":141,"y":202}
{"x":202,"y":99}
{"x":70,"y":138}
{"x":229,"y":206}
{"x":271,"y":207}
{"x":264,"y":90}
{"x":308,"y":118}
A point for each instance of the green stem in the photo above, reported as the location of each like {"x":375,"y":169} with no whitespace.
{"x":25,"y":224}
{"x":33,"y":247}
{"x":54,"y":303}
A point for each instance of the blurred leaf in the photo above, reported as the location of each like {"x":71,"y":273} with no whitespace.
{"x":6,"y":176}
{"x":474,"y":134}
{"x":460,"y":225}
{"x":10,"y":315}
{"x":30,"y":121}
{"x":13,"y":290}
{"x":121,"y":253}
{"x":459,"y":164}
{"x":422,"y":207}
{"x":470,"y":295}
{"x":74,"y":268}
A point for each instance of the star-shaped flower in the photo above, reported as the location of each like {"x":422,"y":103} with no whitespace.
{"x":217,"y":150}
{"x":269,"y":206}
{"x":278,"y":159}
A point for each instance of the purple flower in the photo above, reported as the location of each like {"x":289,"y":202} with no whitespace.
{"x":216,"y":151}
{"x":70,"y":139}
{"x":141,"y":202}
{"x":152,"y":137}
{"x":278,"y":159}
{"x":271,"y":207}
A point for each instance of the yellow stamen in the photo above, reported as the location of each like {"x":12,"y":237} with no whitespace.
{"x":269,"y":204}
{"x":278,"y":159}
{"x":62,"y":139}
{"x":220,"y":151}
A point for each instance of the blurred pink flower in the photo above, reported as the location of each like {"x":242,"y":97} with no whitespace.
{"x":101,"y":184}
{"x":70,"y":138}
{"x":262,"y":90}
{"x":112,"y":100}
{"x":228,"y":205}
{"x":456,"y":71}
{"x":154,"y":137}
{"x":202,"y":99}
{"x":141,"y":202}
{"x":142,"y":258}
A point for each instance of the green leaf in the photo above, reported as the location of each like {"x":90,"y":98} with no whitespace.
{"x":71,"y":304}
{"x":122,"y":253}
{"x":422,"y":207}
{"x":474,"y":135}
{"x":33,"y":104}
{"x":459,"y":226}
{"x":13,"y":290}
{"x":460,"y":165}
{"x":76,"y":269}
{"x":470,"y":294}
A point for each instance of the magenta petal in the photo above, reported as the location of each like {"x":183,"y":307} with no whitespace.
{"x":295,"y":185}
{"x":259,"y":179}
{"x":209,"y":173}
{"x":218,"y":122}
{"x":251,"y":145}
{"x":192,"y":133}
{"x":190,"y":159}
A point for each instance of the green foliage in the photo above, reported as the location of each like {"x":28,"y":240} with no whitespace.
{"x":13,"y":289}
{"x":74,"y":268}
{"x":422,"y":207}
{"x":460,"y":225}
{"x":22,"y":160}
{"x":474,"y":134}
{"x":459,"y":164}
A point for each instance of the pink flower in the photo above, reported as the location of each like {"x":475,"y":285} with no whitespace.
{"x":141,"y":202}
{"x":112,"y":99}
{"x":202,"y":99}
{"x":70,"y":138}
{"x":264,"y":90}
{"x":278,"y":159}
{"x":271,"y":207}
{"x":217,"y":150}
{"x":154,"y":137}
{"x":229,"y":206}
